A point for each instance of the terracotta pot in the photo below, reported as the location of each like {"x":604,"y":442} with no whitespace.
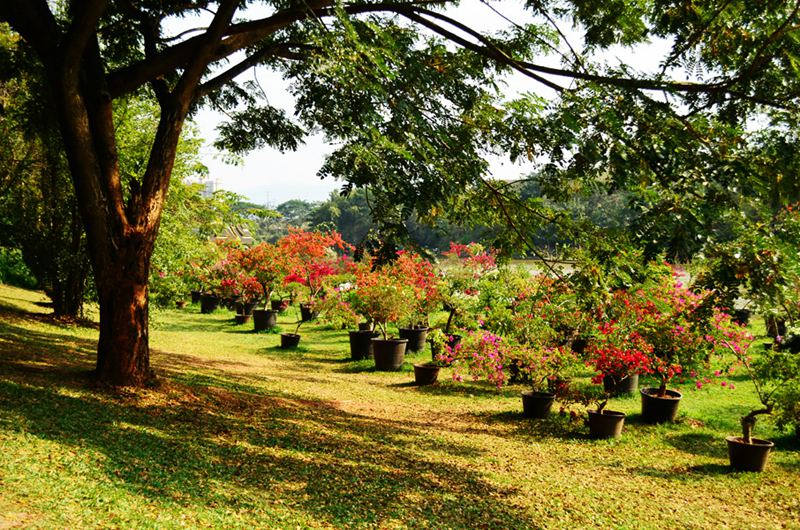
{"x":361,"y":344}
{"x":416,"y":338}
{"x":208,"y":303}
{"x":537,"y":404}
{"x":748,"y":457}
{"x":426,"y":374}
{"x":389,"y":354}
{"x":180,"y":304}
{"x":606,"y":424}
{"x":617,"y":387}
{"x":264,"y":319}
{"x":289,"y":340}
{"x":659,"y":409}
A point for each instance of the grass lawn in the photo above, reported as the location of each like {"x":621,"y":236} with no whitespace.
{"x":240,"y":434}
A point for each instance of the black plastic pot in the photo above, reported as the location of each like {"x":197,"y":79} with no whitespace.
{"x":289,"y":340}
{"x":606,"y":424}
{"x":264,"y":319}
{"x":659,"y":409}
{"x":241,"y":319}
{"x":775,"y":326}
{"x":741,"y":316}
{"x":416,"y":338}
{"x":537,"y":404}
{"x":196,"y":296}
{"x":579,"y":345}
{"x":361,"y":344}
{"x":306,"y":314}
{"x":245,"y":309}
{"x":748,"y":457}
{"x":279,"y":305}
{"x":208,"y":303}
{"x":425,"y":374}
{"x":389,"y":354}
{"x":617,"y":387}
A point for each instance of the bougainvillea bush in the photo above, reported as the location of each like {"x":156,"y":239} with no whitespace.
{"x":420,"y":275}
{"x":462,"y":269}
{"x":268,"y":265}
{"x":380,"y":297}
{"x":314,"y":257}
{"x":499,"y":360}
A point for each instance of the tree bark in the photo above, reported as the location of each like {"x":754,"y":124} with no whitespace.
{"x":123,"y":352}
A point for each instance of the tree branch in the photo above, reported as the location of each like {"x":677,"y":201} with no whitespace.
{"x":273,"y":50}
{"x":79,"y":34}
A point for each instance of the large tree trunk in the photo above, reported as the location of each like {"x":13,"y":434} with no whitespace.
{"x":123,"y":352}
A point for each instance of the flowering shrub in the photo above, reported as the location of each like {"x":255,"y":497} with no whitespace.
{"x":380,"y":297}
{"x":267,"y":265}
{"x":336,"y":310}
{"x":419,"y":274}
{"x":661,"y":329}
{"x":313,"y":258}
{"x":618,"y":353}
{"x":775,"y":374}
{"x":485,"y":355}
{"x":461,"y":273}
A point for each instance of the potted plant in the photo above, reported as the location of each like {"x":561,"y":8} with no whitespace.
{"x":443,"y":346}
{"x":546,"y":369}
{"x":249,"y":295}
{"x":461,"y":272}
{"x":419,"y":273}
{"x":383,"y":299}
{"x":267,"y":265}
{"x":486,"y":355}
{"x":770,"y":373}
{"x":292,"y":340}
{"x":674,"y":321}
{"x":618,"y":356}
{"x":603,"y":423}
{"x":314,"y":258}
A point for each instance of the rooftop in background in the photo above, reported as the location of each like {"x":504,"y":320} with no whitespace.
{"x":235,"y":233}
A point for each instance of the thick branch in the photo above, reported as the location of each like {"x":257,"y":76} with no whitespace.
{"x":273,"y":50}
{"x":80,"y":33}
{"x":145,"y":207}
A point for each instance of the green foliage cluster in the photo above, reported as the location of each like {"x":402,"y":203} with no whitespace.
{"x":13,"y":270}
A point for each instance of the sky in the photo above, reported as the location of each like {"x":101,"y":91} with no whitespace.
{"x":267,"y":176}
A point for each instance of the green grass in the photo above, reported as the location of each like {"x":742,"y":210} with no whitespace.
{"x":241,"y":434}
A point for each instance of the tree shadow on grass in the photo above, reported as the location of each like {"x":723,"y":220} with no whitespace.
{"x":697,"y":443}
{"x":261,"y":448}
{"x":685,"y":474}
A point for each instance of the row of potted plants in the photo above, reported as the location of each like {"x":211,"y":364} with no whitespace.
{"x":516,"y":327}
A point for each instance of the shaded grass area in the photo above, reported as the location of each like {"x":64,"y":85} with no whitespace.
{"x":240,"y":433}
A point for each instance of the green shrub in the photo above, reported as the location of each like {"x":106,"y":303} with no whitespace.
{"x":13,"y":270}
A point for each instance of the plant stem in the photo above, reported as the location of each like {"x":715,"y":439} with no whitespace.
{"x":749,"y":422}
